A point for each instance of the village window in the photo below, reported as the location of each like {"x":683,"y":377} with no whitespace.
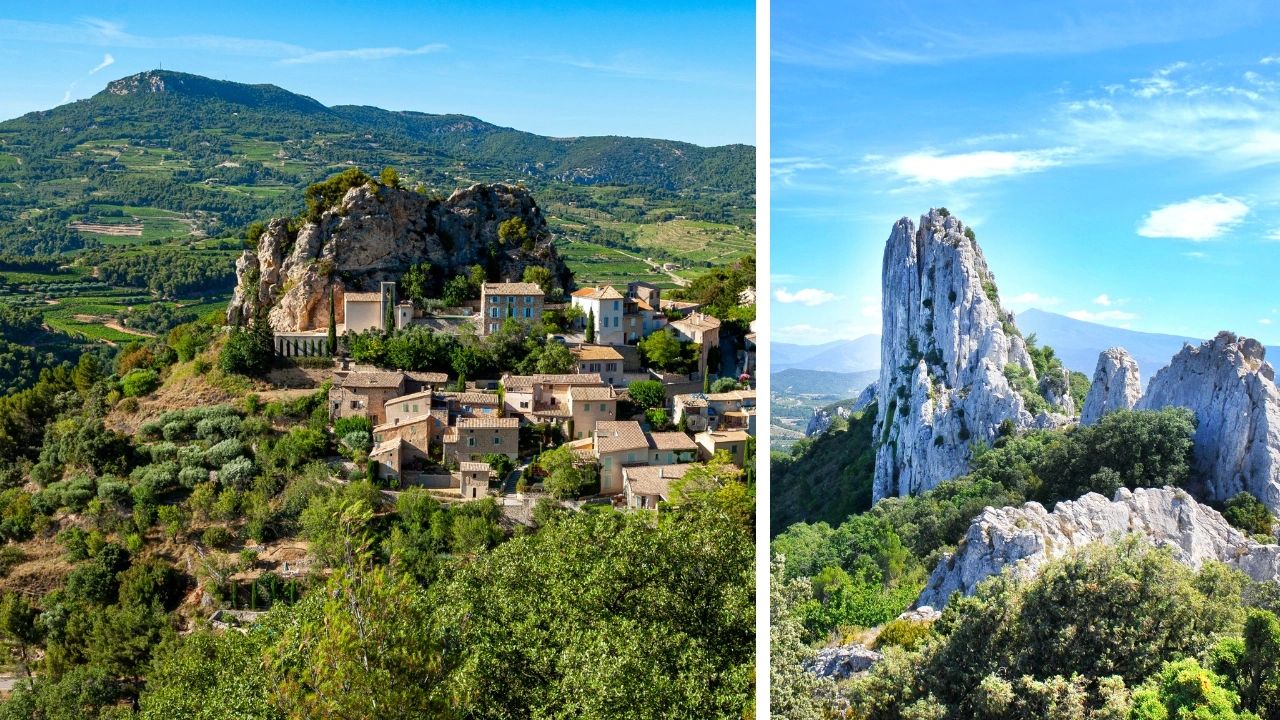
{"x":493,"y":312}
{"x":631,"y":457}
{"x":493,"y":299}
{"x":471,"y":442}
{"x":528,"y":300}
{"x":497,"y":441}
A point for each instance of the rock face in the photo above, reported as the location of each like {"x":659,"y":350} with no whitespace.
{"x":375,"y":234}
{"x":840,"y":663}
{"x":865,"y":398}
{"x":945,"y":345}
{"x":1023,"y":539}
{"x":1232,"y":389}
{"x":1116,"y":385}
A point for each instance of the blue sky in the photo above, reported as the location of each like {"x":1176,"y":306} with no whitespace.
{"x":1120,"y":162}
{"x":660,"y":69}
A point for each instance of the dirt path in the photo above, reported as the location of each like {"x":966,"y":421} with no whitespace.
{"x":113,"y":324}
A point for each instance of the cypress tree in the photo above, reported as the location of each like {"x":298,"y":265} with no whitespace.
{"x":591,"y":326}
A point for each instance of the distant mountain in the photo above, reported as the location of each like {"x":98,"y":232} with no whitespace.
{"x":841,"y":356}
{"x":225,"y":153}
{"x":841,"y":385}
{"x":1078,"y":342}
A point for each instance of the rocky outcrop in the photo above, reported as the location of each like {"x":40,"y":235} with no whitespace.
{"x":840,"y":663}
{"x":865,"y":398}
{"x":1055,"y":387}
{"x":1116,"y":385}
{"x":945,"y":346}
{"x":1231,"y":388}
{"x":376,"y":233}
{"x":819,"y":423}
{"x":1023,"y":539}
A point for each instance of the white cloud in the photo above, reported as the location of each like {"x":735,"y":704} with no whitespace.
{"x":1103,"y":316}
{"x":1203,"y":218}
{"x":361,"y":54}
{"x":1274,"y":235}
{"x":107,"y":61}
{"x":1031,"y":299}
{"x":1264,"y":321}
{"x":931,"y":167}
{"x":1102,"y":299}
{"x":805,"y":296}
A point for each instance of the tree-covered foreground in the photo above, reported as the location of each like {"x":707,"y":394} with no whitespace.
{"x":132,"y":509}
{"x":1113,"y":631}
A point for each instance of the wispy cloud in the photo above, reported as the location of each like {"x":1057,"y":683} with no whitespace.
{"x":1103,"y":316}
{"x":928,"y":167}
{"x":785,"y":169}
{"x":98,"y":32}
{"x":1102,"y":299}
{"x":811,"y":297}
{"x":107,"y":61}
{"x":375,"y":53}
{"x":955,"y":35}
{"x":1207,"y":217}
{"x":1264,"y":321}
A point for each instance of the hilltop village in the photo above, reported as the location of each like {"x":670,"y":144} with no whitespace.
{"x":458,"y":356}
{"x":630,"y":431}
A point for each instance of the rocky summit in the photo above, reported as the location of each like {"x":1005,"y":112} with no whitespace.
{"x":1023,"y":539}
{"x":946,"y":343}
{"x":1231,"y":388}
{"x":1116,"y":385}
{"x":376,"y":233}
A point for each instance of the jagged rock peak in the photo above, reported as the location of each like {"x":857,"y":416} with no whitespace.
{"x":946,"y":343}
{"x":1232,"y":390}
{"x":374,"y":234}
{"x":1023,"y":539}
{"x":1116,"y":385}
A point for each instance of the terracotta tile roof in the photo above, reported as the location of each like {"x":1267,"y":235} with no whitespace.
{"x":474,"y":467}
{"x":592,"y":393}
{"x":450,"y":436}
{"x":654,"y":479}
{"x":671,"y":441}
{"x":474,"y":398}
{"x":372,"y":380}
{"x":570,"y":379}
{"x":691,"y":400}
{"x":615,"y":435}
{"x":696,"y":321}
{"x":732,"y":395}
{"x":422,"y":395}
{"x":517,"y":382}
{"x":597,"y":352}
{"x":392,"y":445}
{"x":677,"y":305}
{"x":488,"y":422}
{"x":384,"y":427}
{"x":428,"y":377}
{"x":515,"y":288}
{"x":604,"y":292}
{"x":362,"y":297}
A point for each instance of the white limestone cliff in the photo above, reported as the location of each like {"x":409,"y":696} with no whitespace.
{"x":1116,"y":385}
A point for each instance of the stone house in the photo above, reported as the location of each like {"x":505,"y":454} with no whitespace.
{"x":618,"y":444}
{"x":499,"y":301}
{"x":417,"y":433}
{"x":702,"y":329}
{"x":733,"y":442}
{"x":544,"y":398}
{"x":644,"y":487}
{"x":364,"y":394}
{"x":588,"y":406}
{"x":473,"y":480}
{"x":670,"y":448}
{"x":404,"y":407}
{"x":607,"y":306}
{"x":473,"y":438}
{"x":601,"y":360}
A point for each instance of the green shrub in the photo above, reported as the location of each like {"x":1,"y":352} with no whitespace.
{"x":903,"y":633}
{"x":237,"y":473}
{"x":139,"y":382}
{"x":216,"y":536}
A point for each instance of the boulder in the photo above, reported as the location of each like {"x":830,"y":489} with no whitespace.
{"x":840,"y":663}
{"x":1023,"y":539}
{"x":1116,"y":385}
